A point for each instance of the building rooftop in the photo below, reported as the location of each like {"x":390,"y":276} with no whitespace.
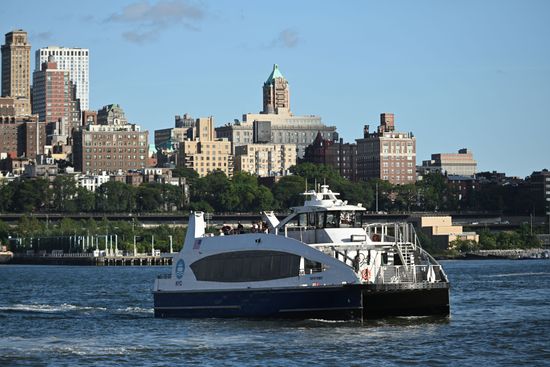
{"x":274,"y":74}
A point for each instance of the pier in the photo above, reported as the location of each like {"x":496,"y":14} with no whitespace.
{"x":163,"y":259}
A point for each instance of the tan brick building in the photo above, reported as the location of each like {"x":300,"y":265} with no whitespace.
{"x":16,"y":65}
{"x":265,"y":160}
{"x":387,"y":154}
{"x":204,"y":153}
{"x":452,"y":164}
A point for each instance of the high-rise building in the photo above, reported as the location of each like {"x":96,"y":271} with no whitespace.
{"x":387,"y":154}
{"x":73,"y":60}
{"x":276,"y":93}
{"x":113,"y":145}
{"x":16,"y":66}
{"x":206,"y":153}
{"x":265,"y":160}
{"x":52,"y":97}
{"x":276,"y":124}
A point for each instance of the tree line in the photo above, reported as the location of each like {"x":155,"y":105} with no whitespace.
{"x":247,"y":193}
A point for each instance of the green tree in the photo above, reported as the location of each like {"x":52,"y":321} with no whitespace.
{"x":148,"y":198}
{"x":288,"y":192}
{"x":188,"y":173}
{"x":4,"y":232}
{"x":30,"y":195}
{"x":264,"y":199}
{"x":172,"y":197}
{"x":84,"y":200}
{"x":115,"y":196}
{"x":64,"y":192}
{"x":217,"y":190}
{"x":6,"y":195}
{"x":434,"y":192}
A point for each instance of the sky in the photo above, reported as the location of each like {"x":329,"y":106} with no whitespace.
{"x":459,"y":74}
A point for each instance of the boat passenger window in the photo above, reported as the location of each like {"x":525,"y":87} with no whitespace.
{"x":347,"y":219}
{"x":247,"y":266}
{"x":333,"y":219}
{"x":311,"y":219}
{"x":320,"y":223}
{"x":311,"y":266}
{"x":300,"y":220}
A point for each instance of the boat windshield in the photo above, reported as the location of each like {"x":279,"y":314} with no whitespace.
{"x":328,"y":219}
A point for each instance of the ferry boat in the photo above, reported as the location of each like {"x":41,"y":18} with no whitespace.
{"x":323,"y":261}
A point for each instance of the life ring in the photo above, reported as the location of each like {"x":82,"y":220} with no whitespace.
{"x":365,"y":274}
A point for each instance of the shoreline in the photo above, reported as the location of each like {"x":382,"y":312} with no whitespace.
{"x":515,"y":254}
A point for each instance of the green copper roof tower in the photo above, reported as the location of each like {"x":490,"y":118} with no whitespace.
{"x":276,"y":73}
{"x":276,"y":93}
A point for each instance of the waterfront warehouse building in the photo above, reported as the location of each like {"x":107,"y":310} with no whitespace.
{"x":73,"y":60}
{"x":387,"y":154}
{"x":276,"y":124}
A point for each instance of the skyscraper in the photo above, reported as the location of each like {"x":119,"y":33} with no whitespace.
{"x":276,"y":93}
{"x":16,"y":66}
{"x":52,"y":96}
{"x":76,"y":62}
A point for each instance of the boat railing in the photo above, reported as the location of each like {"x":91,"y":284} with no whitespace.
{"x":392,"y":274}
{"x":398,"y":232}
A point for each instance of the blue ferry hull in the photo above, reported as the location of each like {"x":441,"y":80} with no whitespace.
{"x":330,"y":303}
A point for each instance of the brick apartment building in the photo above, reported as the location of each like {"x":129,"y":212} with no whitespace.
{"x":387,"y":154}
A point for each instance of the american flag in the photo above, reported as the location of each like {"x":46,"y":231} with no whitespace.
{"x":197,"y":244}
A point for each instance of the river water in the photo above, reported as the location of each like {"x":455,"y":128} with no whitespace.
{"x":67,"y":316}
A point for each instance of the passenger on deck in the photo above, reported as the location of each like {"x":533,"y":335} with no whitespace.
{"x":240,"y":228}
{"x":226,"y":229}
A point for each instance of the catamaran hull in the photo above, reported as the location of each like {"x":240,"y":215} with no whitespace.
{"x":396,"y":300}
{"x":357,"y":302}
{"x":329,"y":303}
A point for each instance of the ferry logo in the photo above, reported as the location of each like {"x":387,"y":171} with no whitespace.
{"x":180,"y":268}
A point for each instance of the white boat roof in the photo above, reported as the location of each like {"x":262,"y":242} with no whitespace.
{"x":325,"y":200}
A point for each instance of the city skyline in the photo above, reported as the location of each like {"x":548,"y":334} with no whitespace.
{"x":478,"y":71}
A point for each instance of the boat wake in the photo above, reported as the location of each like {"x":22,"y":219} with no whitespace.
{"x":132,"y":310}
{"x":505,"y":275}
{"x":40,"y":308}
